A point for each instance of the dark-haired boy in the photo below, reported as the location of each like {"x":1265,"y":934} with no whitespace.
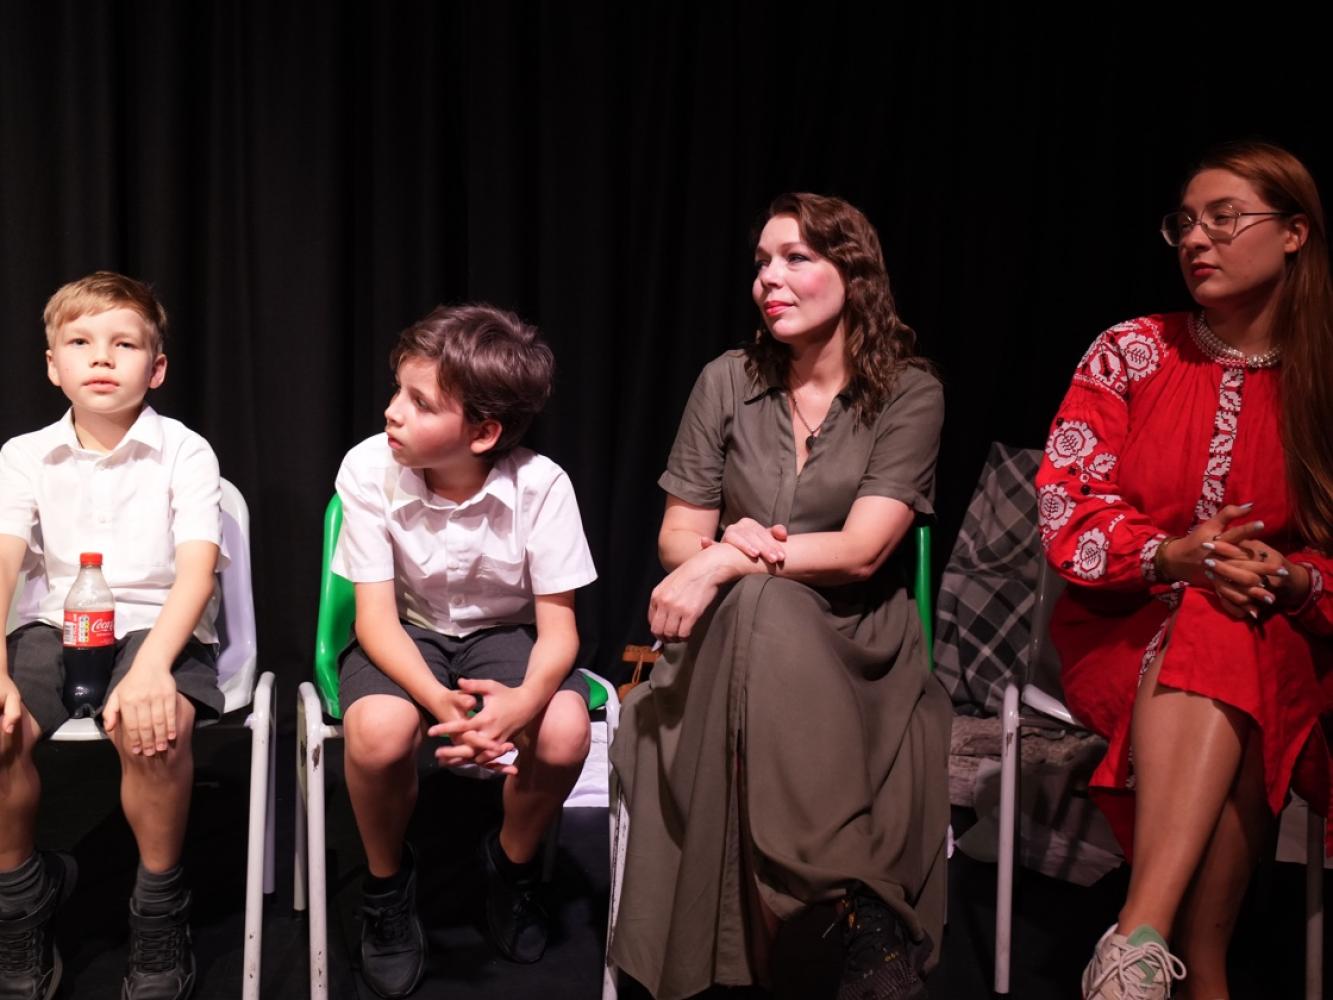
{"x":465,"y":551}
{"x":111,"y":476}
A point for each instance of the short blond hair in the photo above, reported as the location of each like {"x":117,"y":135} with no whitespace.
{"x":100,"y":292}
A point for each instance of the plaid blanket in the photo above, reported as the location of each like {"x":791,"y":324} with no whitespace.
{"x":986,"y":594}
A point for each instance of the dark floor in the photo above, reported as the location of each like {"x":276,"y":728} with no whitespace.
{"x":1055,"y":924}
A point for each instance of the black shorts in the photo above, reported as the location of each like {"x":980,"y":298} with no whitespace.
{"x":37,"y":664}
{"x":498,"y":654}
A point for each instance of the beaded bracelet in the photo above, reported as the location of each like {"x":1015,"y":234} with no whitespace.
{"x":1159,"y":558}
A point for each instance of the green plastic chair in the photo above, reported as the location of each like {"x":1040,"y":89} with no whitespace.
{"x":923,"y":592}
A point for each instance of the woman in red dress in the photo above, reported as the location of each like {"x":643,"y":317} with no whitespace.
{"x":1187,"y":497}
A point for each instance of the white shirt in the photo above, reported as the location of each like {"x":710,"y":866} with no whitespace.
{"x":461,"y":567}
{"x":156,"y":489}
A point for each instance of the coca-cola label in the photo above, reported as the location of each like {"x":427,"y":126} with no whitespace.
{"x":90,"y":628}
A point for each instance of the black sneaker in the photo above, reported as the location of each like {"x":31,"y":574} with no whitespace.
{"x":515,"y":918}
{"x":879,"y":961}
{"x":29,"y":961}
{"x":161,"y":959}
{"x":393,"y":944}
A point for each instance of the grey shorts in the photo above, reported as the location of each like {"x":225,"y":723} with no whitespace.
{"x":36,"y":662}
{"x":498,"y":654}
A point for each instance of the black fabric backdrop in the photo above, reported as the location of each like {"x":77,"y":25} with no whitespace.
{"x":299,"y":182}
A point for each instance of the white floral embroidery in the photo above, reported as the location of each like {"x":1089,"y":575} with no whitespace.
{"x":1090,"y":554}
{"x":1070,"y":440}
{"x":1101,"y":465}
{"x":1111,"y":498}
{"x":1054,"y":508}
{"x":1225,"y":422}
{"x":1140,"y":353}
{"x":1148,"y":556}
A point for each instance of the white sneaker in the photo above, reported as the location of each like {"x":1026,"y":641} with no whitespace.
{"x":1138,"y":967}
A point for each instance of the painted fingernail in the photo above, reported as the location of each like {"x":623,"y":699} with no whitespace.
{"x":1253,"y":614}
{"x":1209,"y":575}
{"x":1209,"y":546}
{"x":1269,"y":598}
{"x":1247,"y":505}
{"x":1283,"y":571}
{"x":1257,"y":525}
{"x":1210,"y":563}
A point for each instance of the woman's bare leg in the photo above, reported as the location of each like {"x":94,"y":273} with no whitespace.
{"x":1187,"y":751}
{"x":1208,"y":913}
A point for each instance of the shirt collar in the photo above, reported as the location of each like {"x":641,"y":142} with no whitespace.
{"x":412,"y":488}
{"x":759,"y":387}
{"x":146,"y":430}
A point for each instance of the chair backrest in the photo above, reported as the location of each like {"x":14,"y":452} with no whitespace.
{"x":233,"y":600}
{"x":337,"y":611}
{"x":921,"y":590}
{"x":1042,"y":669}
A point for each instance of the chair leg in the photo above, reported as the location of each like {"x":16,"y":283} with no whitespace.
{"x":315,"y":731}
{"x":1314,"y":907}
{"x":261,"y":735}
{"x":300,"y":866}
{"x":1004,"y":881}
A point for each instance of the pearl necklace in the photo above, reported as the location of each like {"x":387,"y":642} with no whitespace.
{"x":1224,"y":354}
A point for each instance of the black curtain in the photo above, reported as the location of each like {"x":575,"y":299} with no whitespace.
{"x":301,"y":181}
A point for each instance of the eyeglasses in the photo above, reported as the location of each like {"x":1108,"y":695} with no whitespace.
{"x":1218,"y":223}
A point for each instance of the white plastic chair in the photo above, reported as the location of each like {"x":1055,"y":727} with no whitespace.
{"x":237,"y":663}
{"x":1051,"y":711}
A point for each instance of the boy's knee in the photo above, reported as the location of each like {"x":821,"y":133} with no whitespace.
{"x":381,"y":731}
{"x":565,"y":736}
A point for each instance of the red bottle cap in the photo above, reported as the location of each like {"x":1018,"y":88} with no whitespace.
{"x":90,"y":559}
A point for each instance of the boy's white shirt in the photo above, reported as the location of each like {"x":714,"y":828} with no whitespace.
{"x":157,"y":488}
{"x":461,"y":567}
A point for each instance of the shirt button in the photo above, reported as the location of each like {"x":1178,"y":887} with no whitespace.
{"x":457,"y":601}
{"x":453,"y":564}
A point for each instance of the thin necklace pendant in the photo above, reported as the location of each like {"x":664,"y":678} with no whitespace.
{"x":1224,"y":354}
{"x":811,"y":431}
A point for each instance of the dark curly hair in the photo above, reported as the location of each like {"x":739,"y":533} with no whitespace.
{"x":879,"y":344}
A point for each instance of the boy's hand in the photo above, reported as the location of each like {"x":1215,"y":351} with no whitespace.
{"x":11,"y":705}
{"x":145,"y":703}
{"x":467,"y":745}
{"x":505,"y":711}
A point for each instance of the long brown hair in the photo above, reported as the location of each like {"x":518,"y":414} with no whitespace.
{"x":879,"y":344}
{"x":1302,"y":329}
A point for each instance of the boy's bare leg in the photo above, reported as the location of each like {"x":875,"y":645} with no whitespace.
{"x":383,"y":733}
{"x":554,"y":747}
{"x":20,"y":792}
{"x":1208,"y":913}
{"x":1187,"y":751}
{"x":155,"y":792}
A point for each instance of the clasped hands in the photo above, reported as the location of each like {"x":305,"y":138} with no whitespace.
{"x":487,"y":735}
{"x":682,"y":597}
{"x":1249,"y":576}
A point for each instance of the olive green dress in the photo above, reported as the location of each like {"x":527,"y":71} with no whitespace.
{"x":798,"y":734}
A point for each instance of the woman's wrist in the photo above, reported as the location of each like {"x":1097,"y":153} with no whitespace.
{"x":1295,"y":595}
{"x":1161,"y":560}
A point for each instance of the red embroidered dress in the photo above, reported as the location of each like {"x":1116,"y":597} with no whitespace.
{"x":1159,"y":431}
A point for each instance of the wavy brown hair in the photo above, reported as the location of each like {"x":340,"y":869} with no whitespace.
{"x":1302,"y":330}
{"x":879,"y":344}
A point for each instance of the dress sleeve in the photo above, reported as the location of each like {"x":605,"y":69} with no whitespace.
{"x":1316,"y":613}
{"x":1091,"y":535}
{"x":907,"y":441}
{"x":698,"y":456}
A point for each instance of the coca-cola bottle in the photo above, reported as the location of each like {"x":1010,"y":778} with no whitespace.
{"x":90,"y":638}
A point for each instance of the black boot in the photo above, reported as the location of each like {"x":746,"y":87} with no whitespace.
{"x":161,"y":958}
{"x":880,"y":960}
{"x":29,"y":962}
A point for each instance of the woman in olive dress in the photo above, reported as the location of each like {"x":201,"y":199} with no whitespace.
{"x":791,"y":748}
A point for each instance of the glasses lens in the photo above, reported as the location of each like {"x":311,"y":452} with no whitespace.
{"x":1220,"y":222}
{"x":1174,"y":225}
